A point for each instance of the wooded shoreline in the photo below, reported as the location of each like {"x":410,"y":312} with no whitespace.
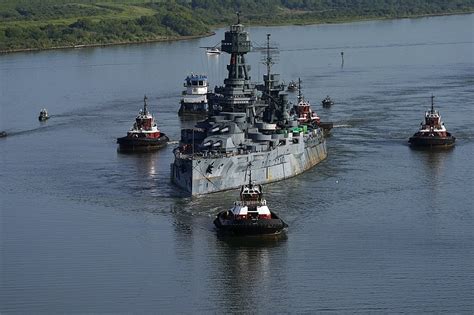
{"x":170,"y":39}
{"x":210,"y":33}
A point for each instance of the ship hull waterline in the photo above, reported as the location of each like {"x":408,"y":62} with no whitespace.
{"x":272,"y":226}
{"x":206,"y":175}
{"x":432,"y":142}
{"x":130,"y":144}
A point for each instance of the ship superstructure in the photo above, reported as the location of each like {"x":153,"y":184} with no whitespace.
{"x":246,"y":124}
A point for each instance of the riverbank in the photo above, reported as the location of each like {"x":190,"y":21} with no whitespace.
{"x":165,"y":39}
{"x":115,"y":29}
{"x":359,"y":19}
{"x":377,"y":227}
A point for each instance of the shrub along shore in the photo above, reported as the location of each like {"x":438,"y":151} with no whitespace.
{"x":27,"y":25}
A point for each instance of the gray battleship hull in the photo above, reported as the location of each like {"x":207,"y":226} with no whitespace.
{"x":208,"y":174}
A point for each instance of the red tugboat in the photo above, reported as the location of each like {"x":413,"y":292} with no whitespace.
{"x":306,"y":116}
{"x":250,"y":215}
{"x":144,"y":135}
{"x":432,"y":133}
{"x":303,"y":110}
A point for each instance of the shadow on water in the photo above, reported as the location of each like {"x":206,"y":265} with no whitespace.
{"x":433,"y":158}
{"x":245,"y":268}
{"x":260,"y":241}
{"x":145,"y":162}
{"x":433,"y":165}
{"x":42,"y":128}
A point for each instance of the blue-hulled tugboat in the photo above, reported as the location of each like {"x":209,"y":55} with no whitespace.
{"x":327,"y":102}
{"x":250,"y":215}
{"x":43,"y":115}
{"x":144,"y":135}
{"x":432,"y":133}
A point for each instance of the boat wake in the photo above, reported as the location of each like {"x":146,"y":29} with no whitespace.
{"x":342,"y":126}
{"x":34,"y":130}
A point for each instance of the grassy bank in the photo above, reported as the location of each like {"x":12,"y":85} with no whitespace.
{"x":47,"y":24}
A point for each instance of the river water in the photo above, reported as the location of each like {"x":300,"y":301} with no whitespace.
{"x":376,"y":227}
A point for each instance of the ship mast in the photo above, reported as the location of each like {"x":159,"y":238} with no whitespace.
{"x":145,"y":111}
{"x":300,"y":96}
{"x":432,"y":104}
{"x":249,"y":168}
{"x":268,"y":62}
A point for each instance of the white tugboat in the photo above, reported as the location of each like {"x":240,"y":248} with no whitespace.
{"x":250,"y":215}
{"x":144,"y":135}
{"x":432,"y":133}
{"x":194,"y":101}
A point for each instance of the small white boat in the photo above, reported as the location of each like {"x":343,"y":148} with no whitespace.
{"x":43,"y":115}
{"x":213,"y":51}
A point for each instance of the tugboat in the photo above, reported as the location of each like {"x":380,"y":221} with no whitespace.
{"x":303,"y":111}
{"x":250,"y":215}
{"x":306,"y":117}
{"x":292,"y":86}
{"x":432,"y":133}
{"x":327,"y":102}
{"x":43,"y":115}
{"x":144,"y":135}
{"x":194,"y":101}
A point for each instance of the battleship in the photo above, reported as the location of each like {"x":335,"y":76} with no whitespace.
{"x":246,"y":123}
